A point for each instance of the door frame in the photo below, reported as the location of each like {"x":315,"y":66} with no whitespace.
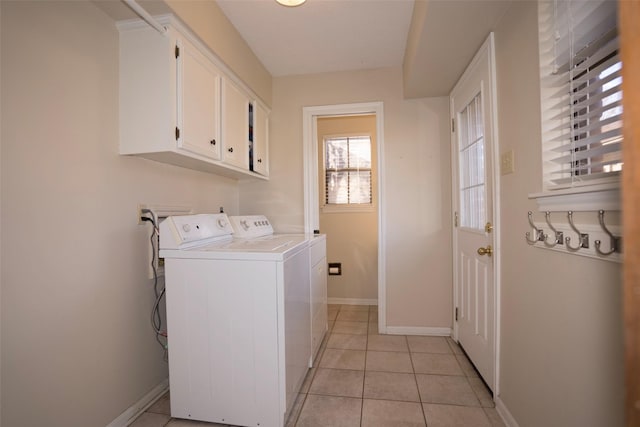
{"x":311,"y":196}
{"x":487,"y":49}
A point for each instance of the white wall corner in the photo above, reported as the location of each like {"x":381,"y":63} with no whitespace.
{"x":504,"y":413}
{"x":135,"y":410}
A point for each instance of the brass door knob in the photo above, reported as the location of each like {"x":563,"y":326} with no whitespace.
{"x":485,"y":251}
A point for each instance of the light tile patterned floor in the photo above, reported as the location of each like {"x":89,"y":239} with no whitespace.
{"x":370,"y":380}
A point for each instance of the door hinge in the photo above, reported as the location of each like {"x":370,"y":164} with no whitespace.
{"x":453,"y":125}
{"x":455,"y":219}
{"x":177,"y":51}
{"x":177,"y":133}
{"x":456,"y":314}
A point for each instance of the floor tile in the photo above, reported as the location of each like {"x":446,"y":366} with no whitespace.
{"x":347,"y":341}
{"x":162,"y":405}
{"x":353,"y":316}
{"x":466,"y":366}
{"x":354,"y":307}
{"x":295,"y":410}
{"x":384,"y":413}
{"x":332,"y":314}
{"x":428,"y":345}
{"x":494,"y":417}
{"x":391,"y":386}
{"x":373,"y":328}
{"x":149,"y":419}
{"x":343,"y":359}
{"x":337,"y":382}
{"x":387,"y":343}
{"x":333,"y":306}
{"x":373,"y":316}
{"x":307,"y":380}
{"x":388,"y":361}
{"x":447,"y":389}
{"x":481,"y":391}
{"x":323,"y":411}
{"x":454,"y":346}
{"x":437,"y":364}
{"x":347,"y":327}
{"x":455,"y":416}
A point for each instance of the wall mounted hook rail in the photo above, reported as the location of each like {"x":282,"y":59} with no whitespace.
{"x":558,"y":234}
{"x":539,"y":234}
{"x":582,"y":237}
{"x":615,"y":242}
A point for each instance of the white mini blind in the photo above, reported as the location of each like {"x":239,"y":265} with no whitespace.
{"x":581,"y":92}
{"x":348,"y":170}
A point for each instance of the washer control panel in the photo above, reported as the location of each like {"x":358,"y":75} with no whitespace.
{"x":180,"y":232}
{"x":250,"y":226}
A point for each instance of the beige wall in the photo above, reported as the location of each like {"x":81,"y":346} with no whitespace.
{"x":561,"y":349}
{"x":417,"y":184}
{"x":352,"y":237}
{"x":77,"y":344}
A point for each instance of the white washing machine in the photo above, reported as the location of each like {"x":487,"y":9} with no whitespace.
{"x":238,"y":319}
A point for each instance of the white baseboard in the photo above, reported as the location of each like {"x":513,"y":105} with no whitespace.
{"x":128,"y":416}
{"x":504,"y":413}
{"x":417,"y":330}
{"x":352,"y":301}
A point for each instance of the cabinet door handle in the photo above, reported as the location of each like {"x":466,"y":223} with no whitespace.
{"x":259,"y":160}
{"x":230,"y":149}
{"x":212,"y":142}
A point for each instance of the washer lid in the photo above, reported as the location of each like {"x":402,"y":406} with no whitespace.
{"x":277,"y":247}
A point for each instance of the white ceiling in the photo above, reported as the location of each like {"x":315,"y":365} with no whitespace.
{"x":337,"y":35}
{"x":322,"y":35}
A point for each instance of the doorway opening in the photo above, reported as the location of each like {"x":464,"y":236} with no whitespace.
{"x":315,"y":186}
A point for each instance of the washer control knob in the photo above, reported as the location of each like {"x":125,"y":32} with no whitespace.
{"x":186,"y":228}
{"x":222,"y":223}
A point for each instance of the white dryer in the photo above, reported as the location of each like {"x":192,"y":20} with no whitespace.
{"x":238,"y":320}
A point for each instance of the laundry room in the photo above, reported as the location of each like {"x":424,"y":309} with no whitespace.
{"x":78,"y":346}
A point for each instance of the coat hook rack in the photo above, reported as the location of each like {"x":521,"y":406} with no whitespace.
{"x":615,"y":242}
{"x":582,"y":237}
{"x":558,"y":234}
{"x":539,"y":234}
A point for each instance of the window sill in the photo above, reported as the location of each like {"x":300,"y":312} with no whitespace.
{"x":348,"y":208}
{"x":591,"y":198}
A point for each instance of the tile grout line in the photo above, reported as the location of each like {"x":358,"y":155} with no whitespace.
{"x":415,"y":379}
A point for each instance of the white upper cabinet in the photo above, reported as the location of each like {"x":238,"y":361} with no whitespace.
{"x":180,"y":104}
{"x":198,"y":102}
{"x":235,"y":128}
{"x":260,"y":127}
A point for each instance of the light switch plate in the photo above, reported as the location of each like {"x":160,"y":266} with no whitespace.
{"x":507,"y":163}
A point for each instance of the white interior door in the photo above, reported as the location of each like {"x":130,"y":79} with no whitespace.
{"x":472,"y":150}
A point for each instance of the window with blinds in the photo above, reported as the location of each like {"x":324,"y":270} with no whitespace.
{"x":348,"y":170}
{"x":581,"y":92}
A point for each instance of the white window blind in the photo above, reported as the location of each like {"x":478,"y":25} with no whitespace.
{"x":348,"y":170}
{"x":581,"y":92}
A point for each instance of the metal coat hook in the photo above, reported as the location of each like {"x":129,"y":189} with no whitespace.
{"x":615,"y":242}
{"x":583,"y":237}
{"x":539,"y":236}
{"x":558,"y":234}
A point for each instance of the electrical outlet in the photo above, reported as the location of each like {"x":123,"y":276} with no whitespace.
{"x":507,"y":163}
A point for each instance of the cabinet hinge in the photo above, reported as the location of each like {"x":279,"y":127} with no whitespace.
{"x":177,"y":133}
{"x":455,"y":219}
{"x":456,"y":314}
{"x":453,"y":125}
{"x":177,"y":51}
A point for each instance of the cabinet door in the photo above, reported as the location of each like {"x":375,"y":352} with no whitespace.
{"x":198,"y":106}
{"x":260,"y":140}
{"x":235,"y":125}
